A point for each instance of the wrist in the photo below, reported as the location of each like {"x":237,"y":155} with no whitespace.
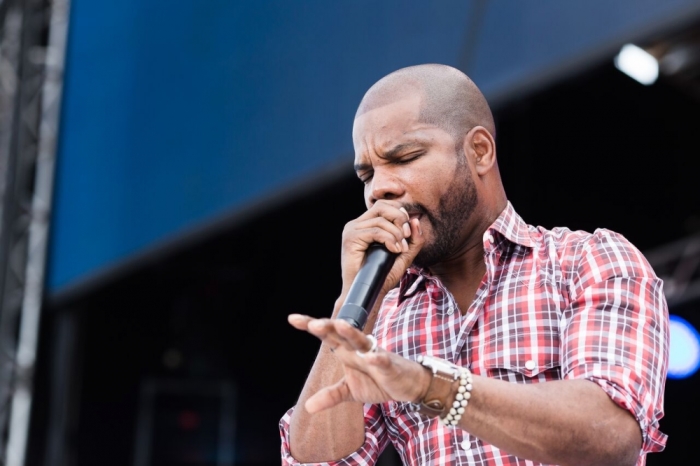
{"x":425,"y":378}
{"x":339,"y":303}
{"x":448,"y":390}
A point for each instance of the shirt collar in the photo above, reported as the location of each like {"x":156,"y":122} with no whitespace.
{"x":412,"y":280}
{"x":513,"y":227}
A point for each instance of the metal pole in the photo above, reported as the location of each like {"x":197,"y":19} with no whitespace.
{"x":38,"y":233}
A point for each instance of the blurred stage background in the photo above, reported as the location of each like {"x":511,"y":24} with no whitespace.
{"x":175,"y":177}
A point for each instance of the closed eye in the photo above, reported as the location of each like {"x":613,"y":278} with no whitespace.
{"x":407,"y":159}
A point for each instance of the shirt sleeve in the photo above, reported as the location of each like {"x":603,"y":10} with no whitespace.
{"x":376,"y":440}
{"x":615,"y":330}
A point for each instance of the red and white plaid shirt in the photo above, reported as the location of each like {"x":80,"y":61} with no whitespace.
{"x":553,"y":305}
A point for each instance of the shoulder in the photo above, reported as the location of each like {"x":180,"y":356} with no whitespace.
{"x":606,"y":254}
{"x":585,"y":258}
{"x":604,"y":251}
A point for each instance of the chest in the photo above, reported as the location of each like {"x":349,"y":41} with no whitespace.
{"x":511,"y":330}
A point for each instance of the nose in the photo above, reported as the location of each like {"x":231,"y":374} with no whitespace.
{"x":384,"y":186}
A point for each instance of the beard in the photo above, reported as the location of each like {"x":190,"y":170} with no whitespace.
{"x":447,"y":221}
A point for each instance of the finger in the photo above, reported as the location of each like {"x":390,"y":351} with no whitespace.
{"x":349,"y":339}
{"x":320,"y":328}
{"x":417,"y":238}
{"x":299,"y":321}
{"x":415,"y":242}
{"x":352,"y":338}
{"x":406,"y":225}
{"x":415,"y":227}
{"x":390,"y":210}
{"x":395,"y":213}
{"x":329,"y":397}
{"x":359,"y":240}
{"x":380,"y":222}
{"x":324,"y":330}
{"x":406,"y":258}
{"x":362,"y":238}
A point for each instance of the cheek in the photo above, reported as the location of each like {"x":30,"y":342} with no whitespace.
{"x":416,"y":179}
{"x":428,"y":186}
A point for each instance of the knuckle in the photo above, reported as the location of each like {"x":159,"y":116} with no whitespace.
{"x":350,"y":226}
{"x":378,"y":232}
{"x":384,"y":206}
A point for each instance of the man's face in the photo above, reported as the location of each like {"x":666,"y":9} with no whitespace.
{"x":417,"y":164}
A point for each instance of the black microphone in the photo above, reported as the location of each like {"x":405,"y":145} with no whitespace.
{"x":367,"y":284}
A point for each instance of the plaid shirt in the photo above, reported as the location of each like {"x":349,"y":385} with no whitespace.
{"x":554,"y":304}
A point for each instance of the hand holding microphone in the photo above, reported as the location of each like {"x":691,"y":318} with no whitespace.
{"x":367,"y":285}
{"x":388,"y":228}
{"x":378,"y":247}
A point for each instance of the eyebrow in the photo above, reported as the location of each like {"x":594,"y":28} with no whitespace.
{"x":391,"y":154}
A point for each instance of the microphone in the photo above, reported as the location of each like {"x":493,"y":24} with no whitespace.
{"x":367,"y":284}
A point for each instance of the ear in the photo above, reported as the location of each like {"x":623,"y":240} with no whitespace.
{"x":482,"y":146}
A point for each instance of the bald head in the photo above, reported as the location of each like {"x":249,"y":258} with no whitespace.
{"x":448,"y":98}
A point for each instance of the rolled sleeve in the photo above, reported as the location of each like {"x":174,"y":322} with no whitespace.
{"x":375,"y":441}
{"x":615,"y":332}
{"x":626,"y":391}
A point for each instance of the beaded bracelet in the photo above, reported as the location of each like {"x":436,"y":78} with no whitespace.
{"x":461,"y":399}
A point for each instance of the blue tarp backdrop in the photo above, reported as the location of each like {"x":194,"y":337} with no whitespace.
{"x":177,"y":112}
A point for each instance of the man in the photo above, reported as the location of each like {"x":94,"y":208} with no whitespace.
{"x":502,"y":343}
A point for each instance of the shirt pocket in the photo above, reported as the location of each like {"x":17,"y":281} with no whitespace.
{"x":520,"y":325}
{"x":527,"y":357}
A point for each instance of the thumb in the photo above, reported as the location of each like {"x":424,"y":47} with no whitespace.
{"x":329,"y":397}
{"x":415,"y":243}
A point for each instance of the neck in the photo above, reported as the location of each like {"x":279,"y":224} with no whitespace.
{"x":463,"y":271}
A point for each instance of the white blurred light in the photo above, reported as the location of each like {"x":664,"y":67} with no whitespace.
{"x":684,"y":357}
{"x":638,"y":64}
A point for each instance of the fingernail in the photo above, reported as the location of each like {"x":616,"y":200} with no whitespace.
{"x":404,"y":211}
{"x":406,"y":230}
{"x":398,"y":246}
{"x":420,"y":230}
{"x":405,"y":245}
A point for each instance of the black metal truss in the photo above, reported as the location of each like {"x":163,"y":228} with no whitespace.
{"x":678,"y":265}
{"x":32,"y":47}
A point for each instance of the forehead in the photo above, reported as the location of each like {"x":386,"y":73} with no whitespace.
{"x":383,"y":124}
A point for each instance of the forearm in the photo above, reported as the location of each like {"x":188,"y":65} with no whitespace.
{"x":316,"y":437}
{"x":319,"y":436}
{"x":570,"y":422}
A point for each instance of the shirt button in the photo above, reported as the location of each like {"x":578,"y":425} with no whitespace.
{"x":530,"y":365}
{"x":466,"y":444}
{"x":490,"y":237}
